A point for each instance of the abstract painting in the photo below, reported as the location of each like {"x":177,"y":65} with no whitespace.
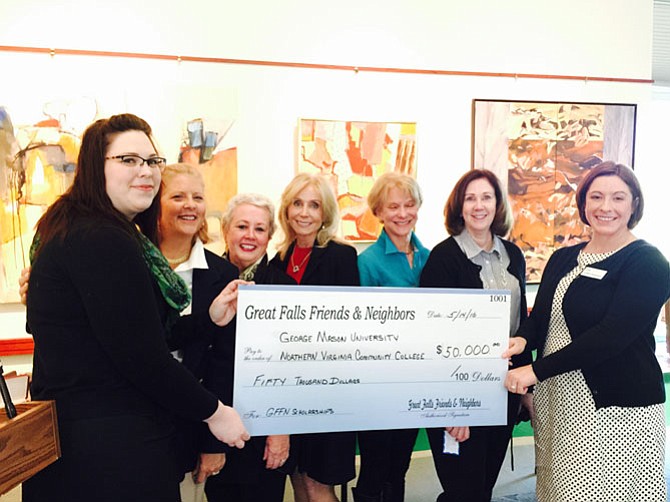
{"x":541,"y":151}
{"x":207,"y":144}
{"x":37,"y":164}
{"x":352,"y":155}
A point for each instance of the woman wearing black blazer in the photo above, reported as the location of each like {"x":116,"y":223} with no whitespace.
{"x":258,"y":473}
{"x":312,"y":255}
{"x":182,"y":233}
{"x":100,"y":302}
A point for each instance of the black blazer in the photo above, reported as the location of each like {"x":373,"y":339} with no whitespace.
{"x":195,"y":337}
{"x":245,"y":465}
{"x":335,"y":264}
{"x":207,"y":284}
{"x":214,"y":357}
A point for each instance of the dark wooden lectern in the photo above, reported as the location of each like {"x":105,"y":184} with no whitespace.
{"x":28,"y":442}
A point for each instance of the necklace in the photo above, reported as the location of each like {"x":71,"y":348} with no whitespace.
{"x":295,"y":267}
{"x":178,"y":261}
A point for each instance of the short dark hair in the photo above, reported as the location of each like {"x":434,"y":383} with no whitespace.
{"x":88,"y":194}
{"x":626,"y":175}
{"x":453,"y":209}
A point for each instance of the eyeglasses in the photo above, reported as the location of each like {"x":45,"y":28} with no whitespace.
{"x":137,"y":161}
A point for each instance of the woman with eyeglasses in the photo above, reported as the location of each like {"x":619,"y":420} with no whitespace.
{"x":311,"y":254}
{"x":101,"y":299}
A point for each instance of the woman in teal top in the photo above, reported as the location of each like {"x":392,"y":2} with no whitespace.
{"x":396,"y":260}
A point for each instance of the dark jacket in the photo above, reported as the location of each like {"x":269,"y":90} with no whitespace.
{"x":101,"y":352}
{"x":449,"y":267}
{"x":333,"y":265}
{"x":245,"y":465}
{"x":214,"y":357}
{"x":611,"y":322}
{"x":97,"y":317}
{"x":207,"y":284}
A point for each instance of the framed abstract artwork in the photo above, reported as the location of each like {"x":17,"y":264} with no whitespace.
{"x":540,"y":151}
{"x":37,"y":165}
{"x":353,"y":155}
{"x":206,"y":143}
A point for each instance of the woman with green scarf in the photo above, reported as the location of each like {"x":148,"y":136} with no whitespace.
{"x":101,"y":298}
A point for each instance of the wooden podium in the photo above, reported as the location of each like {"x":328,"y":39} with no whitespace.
{"x":28,"y":442}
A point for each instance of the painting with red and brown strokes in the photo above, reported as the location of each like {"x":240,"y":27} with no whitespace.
{"x":352,"y":155}
{"x":541,"y":151}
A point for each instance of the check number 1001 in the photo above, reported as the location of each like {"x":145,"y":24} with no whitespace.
{"x":451,"y":352}
{"x":498,"y":298}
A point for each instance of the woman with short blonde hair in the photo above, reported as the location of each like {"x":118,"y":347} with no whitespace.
{"x":394,"y":260}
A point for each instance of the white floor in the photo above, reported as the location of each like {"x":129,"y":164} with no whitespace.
{"x":422,"y":483}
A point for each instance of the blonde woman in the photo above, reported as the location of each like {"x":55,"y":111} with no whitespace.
{"x":182,"y":233}
{"x":258,"y":473}
{"x":396,"y":259}
{"x":311,"y":254}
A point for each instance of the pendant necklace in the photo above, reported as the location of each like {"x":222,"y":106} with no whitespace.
{"x":295,"y":267}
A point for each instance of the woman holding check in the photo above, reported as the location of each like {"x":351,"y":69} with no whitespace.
{"x":600,"y":426}
{"x":311,"y":254}
{"x":101,"y":301}
{"x":395,"y":259}
{"x":476,"y":256}
{"x":182,"y":234}
{"x":258,"y":472}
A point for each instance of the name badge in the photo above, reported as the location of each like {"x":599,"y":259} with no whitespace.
{"x":594,"y":273}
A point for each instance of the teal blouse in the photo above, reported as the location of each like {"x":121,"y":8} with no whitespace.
{"x":383,"y":265}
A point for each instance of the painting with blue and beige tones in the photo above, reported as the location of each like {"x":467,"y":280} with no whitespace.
{"x":210,"y":144}
{"x":541,"y":151}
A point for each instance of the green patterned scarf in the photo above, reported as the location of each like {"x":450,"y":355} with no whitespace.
{"x":173,"y":288}
{"x":248,"y":273}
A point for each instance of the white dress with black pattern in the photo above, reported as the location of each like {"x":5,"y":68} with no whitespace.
{"x":586,"y":455}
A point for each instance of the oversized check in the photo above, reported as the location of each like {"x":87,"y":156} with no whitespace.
{"x":315,"y":359}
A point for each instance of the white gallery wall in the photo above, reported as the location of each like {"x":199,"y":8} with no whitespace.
{"x":574,"y":37}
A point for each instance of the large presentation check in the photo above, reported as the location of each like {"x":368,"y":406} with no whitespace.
{"x":315,"y":359}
